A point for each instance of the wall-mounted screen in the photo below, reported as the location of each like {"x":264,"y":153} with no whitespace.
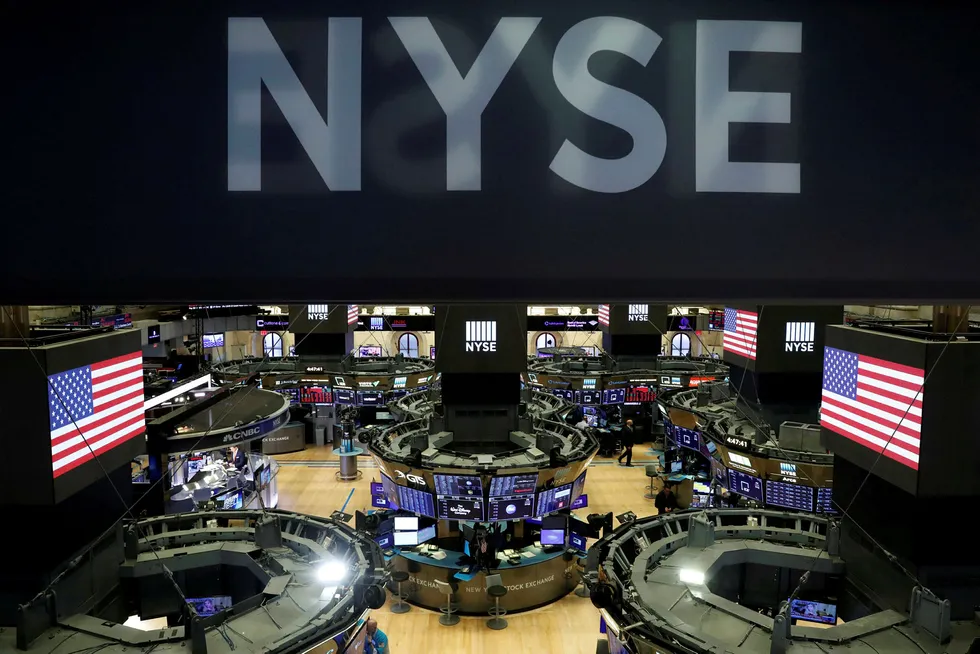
{"x":745,"y":485}
{"x":789,"y":496}
{"x":212,"y":340}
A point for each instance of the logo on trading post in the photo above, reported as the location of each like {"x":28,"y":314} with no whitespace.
{"x":377,"y":324}
{"x":317,"y":311}
{"x":799,"y":336}
{"x":481,"y":335}
{"x":415,"y":479}
{"x":638,"y":313}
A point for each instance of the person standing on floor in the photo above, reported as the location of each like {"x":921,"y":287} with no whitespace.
{"x":628,"y":438}
{"x":376,"y":641}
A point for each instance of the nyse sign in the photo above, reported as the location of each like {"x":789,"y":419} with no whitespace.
{"x":333,"y":139}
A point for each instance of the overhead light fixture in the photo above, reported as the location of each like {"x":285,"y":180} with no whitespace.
{"x":692,"y":577}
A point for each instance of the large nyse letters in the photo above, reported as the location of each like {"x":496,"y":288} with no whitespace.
{"x":333,"y":141}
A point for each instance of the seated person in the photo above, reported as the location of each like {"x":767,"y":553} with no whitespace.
{"x":665,"y":501}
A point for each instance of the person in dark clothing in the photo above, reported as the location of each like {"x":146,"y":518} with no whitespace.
{"x":628,"y":439}
{"x":665,"y":501}
{"x":238,"y":458}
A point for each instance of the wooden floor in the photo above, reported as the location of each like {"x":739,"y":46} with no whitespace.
{"x":307,"y":484}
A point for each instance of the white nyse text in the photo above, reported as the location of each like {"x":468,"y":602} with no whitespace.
{"x":333,"y":141}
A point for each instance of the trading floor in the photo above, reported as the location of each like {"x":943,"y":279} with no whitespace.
{"x":307,"y":484}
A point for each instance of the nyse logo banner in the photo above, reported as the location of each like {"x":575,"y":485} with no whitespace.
{"x":638,"y":313}
{"x":799,"y":336}
{"x":333,"y":139}
{"x":481,"y":336}
{"x":317,"y":311}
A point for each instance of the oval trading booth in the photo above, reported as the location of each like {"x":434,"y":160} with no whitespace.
{"x":203,"y":454}
{"x":722,"y":452}
{"x":467,"y":512}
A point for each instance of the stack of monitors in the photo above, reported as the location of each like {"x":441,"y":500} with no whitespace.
{"x":688,"y":438}
{"x":460,"y":497}
{"x":512,"y":497}
{"x":379,"y":499}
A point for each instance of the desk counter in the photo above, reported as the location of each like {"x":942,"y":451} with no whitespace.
{"x":536,"y":581}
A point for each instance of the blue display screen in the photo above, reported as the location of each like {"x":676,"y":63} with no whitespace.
{"x":789,"y":496}
{"x":554,"y":499}
{"x":416,"y":501}
{"x":744,"y":484}
{"x":688,"y":438}
{"x":578,"y":542}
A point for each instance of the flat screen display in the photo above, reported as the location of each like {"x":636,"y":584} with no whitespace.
{"x":384,"y":540}
{"x":719,"y":472}
{"x":265,"y":476}
{"x":578,"y":542}
{"x":641,"y":393}
{"x":588,"y":398}
{"x":406,"y":538}
{"x":370,"y":351}
{"x":406,"y":523}
{"x":508,"y":485}
{"x":451,"y":508}
{"x":153,"y":334}
{"x":580,"y":502}
{"x":510,"y":508}
{"x":825,"y":501}
{"x":232,"y":501}
{"x":416,"y":501}
{"x":579,"y":486}
{"x":614,"y":396}
{"x":552,"y":536}
{"x":391,"y":491}
{"x":379,"y":501}
{"x":213,"y":340}
{"x":370,"y":398}
{"x":554,"y":499}
{"x":315,"y":395}
{"x":745,"y":485}
{"x":813,"y":611}
{"x":427,"y":534}
{"x":789,"y":496}
{"x":208,"y":606}
{"x":458,"y":485}
{"x":343,"y":396}
{"x":377,"y":488}
{"x":688,"y":438}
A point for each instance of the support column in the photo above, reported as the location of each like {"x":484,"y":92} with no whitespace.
{"x":14,"y":322}
{"x":949,"y":318}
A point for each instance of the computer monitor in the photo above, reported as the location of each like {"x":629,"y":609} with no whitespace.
{"x":554,"y":499}
{"x":384,"y":540}
{"x":459,"y":497}
{"x":406,"y":538}
{"x":577,"y":542}
{"x":789,"y":496}
{"x":208,"y":606}
{"x":377,"y":488}
{"x":552,"y":536}
{"x":676,"y":466}
{"x":813,"y":611}
{"x":745,"y":484}
{"x":406,"y":523}
{"x":427,"y":534}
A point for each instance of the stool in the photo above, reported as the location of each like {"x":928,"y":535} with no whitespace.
{"x":496,"y":590}
{"x":448,"y":618}
{"x":652,"y":473}
{"x":401,"y":606}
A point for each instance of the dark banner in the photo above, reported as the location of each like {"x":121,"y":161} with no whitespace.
{"x":448,"y":151}
{"x":791,"y":338}
{"x":481,"y":338}
{"x":637,"y":319}
{"x":318,"y":318}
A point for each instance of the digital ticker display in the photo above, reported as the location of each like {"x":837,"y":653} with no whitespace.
{"x":825,"y":502}
{"x":789,"y":496}
{"x":641,"y":393}
{"x":416,"y":501}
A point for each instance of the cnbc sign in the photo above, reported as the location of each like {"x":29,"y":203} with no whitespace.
{"x":332,"y":137}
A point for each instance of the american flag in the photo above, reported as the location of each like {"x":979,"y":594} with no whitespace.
{"x":93,"y":409}
{"x":604,"y":314}
{"x":741,"y":329}
{"x":352,"y":312}
{"x":866,"y":399}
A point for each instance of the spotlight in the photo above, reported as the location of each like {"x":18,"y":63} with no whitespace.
{"x":692,"y":577}
{"x":331,"y":572}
